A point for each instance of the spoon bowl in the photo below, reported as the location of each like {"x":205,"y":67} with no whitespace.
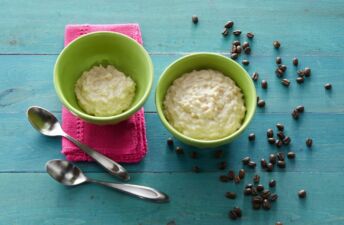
{"x":44,"y":121}
{"x":65,"y":173}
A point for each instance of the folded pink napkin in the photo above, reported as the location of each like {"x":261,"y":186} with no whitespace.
{"x":123,"y":142}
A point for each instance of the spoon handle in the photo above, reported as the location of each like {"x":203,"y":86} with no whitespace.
{"x":136,"y":190}
{"x":111,"y":166}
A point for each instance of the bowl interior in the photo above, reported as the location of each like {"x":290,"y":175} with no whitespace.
{"x":217,"y":62}
{"x":102,"y":48}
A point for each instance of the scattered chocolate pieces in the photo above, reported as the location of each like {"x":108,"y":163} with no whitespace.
{"x":261,"y":103}
{"x":309,"y":142}
{"x":328,"y":86}
{"x":230,"y":195}
{"x":264,"y":84}
{"x":250,"y":35}
{"x":169,"y":141}
{"x":229,"y":24}
{"x":195,"y":19}
{"x":179,"y":150}
{"x":255,"y":76}
{"x":276,"y":44}
{"x":302,"y":194}
{"x":295,"y":61}
{"x":237,"y":32}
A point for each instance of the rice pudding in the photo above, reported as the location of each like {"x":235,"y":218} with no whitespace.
{"x":204,"y":105}
{"x":104,"y":91}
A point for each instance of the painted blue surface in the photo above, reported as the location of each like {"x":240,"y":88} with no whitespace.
{"x":32,"y":36}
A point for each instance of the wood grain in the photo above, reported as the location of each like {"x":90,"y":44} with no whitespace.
{"x":31,"y":38}
{"x":304,"y":27}
{"x":33,"y":199}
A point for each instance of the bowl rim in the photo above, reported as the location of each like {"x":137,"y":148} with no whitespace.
{"x":126,"y":113}
{"x":200,"y":142}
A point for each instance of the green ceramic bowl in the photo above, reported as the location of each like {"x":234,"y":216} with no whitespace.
{"x":102,"y":48}
{"x":200,"y":61}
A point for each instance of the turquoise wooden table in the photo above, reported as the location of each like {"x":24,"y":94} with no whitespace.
{"x":32,"y":36}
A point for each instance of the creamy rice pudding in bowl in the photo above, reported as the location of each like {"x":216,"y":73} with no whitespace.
{"x":205,"y":99}
{"x":103,"y":77}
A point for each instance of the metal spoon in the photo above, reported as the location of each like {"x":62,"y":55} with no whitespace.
{"x":46,"y":123}
{"x":70,"y":175}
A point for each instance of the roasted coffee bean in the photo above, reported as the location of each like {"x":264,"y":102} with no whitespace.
{"x":328,"y":86}
{"x":307,"y":72}
{"x":238,"y":49}
{"x":271,"y":140}
{"x":272,"y":158}
{"x":179,"y":150}
{"x":254,"y":191}
{"x":256,"y":178}
{"x":234,"y":49}
{"x":273,"y":197}
{"x":237,"y":32}
{"x":264,"y":84}
{"x":309,"y":142}
{"x":280,"y":156}
{"x":285,"y":82}
{"x":196,"y":169}
{"x":170,"y":141}
{"x":218,"y":154}
{"x":229,"y":24}
{"x":222,"y":165}
{"x":263,"y":163}
{"x":269,"y":167}
{"x":247,"y":50}
{"x":260,"y":187}
{"x":261,"y":103}
{"x":295,"y":61}
{"x":256,"y":202}
{"x":241,"y":173}
{"x":252,"y":164}
{"x":249,"y":186}
{"x":247,"y":191}
{"x":300,"y":108}
{"x":195,"y":19}
{"x":234,"y":56}
{"x":245,"y":45}
{"x":266,"y":204}
{"x":255,"y":76}
{"x":231,"y":175}
{"x":300,"y":80}
{"x":277,"y":44}
{"x":194,"y":155}
{"x":245,"y":62}
{"x":272,"y":183}
{"x":279,"y":72}
{"x":246,"y":160}
{"x":281,"y":164}
{"x":302,"y":194}
{"x":301,"y":73}
{"x":238,"y":211}
{"x":237,"y":179}
{"x":266,"y":194}
{"x":230,"y":195}
{"x":279,"y":223}
{"x":225,"y":32}
{"x":286,"y":140}
{"x":280,"y":127}
{"x":283,"y":67}
{"x":236,"y":43}
{"x":295,"y":114}
{"x":291,"y":155}
{"x":278,"y":143}
{"x":280,"y":135}
{"x":278,"y":60}
{"x":232,"y":215}
{"x":251,"y":137}
{"x":250,"y":35}
{"x":224,"y":178}
{"x":269,"y":133}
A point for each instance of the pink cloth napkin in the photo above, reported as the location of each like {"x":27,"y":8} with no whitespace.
{"x":123,"y":142}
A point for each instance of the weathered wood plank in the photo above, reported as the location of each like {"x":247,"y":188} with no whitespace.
{"x":23,"y":149}
{"x":305,"y":28}
{"x":33,"y":199}
{"x":27,"y":80}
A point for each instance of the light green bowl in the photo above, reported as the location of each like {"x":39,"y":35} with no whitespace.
{"x":103,"y":48}
{"x":200,"y":61}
